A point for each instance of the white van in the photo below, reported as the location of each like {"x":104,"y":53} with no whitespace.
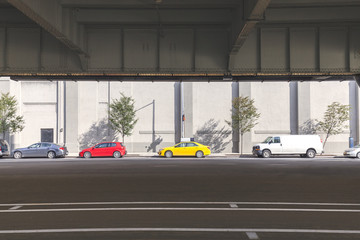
{"x":305,"y":145}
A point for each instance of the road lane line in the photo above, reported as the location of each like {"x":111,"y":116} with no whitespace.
{"x":182,"y":209}
{"x":252,"y":235}
{"x":203,"y":203}
{"x":15,"y":207}
{"x":233,"y":205}
{"x":228,"y":230}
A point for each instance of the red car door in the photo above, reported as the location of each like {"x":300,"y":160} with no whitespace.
{"x":99,"y":150}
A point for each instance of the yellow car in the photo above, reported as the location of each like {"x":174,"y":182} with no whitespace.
{"x":185,"y":149}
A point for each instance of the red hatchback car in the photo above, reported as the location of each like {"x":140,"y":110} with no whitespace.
{"x":105,"y":149}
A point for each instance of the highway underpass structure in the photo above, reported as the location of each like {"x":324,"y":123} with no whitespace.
{"x":70,"y":58}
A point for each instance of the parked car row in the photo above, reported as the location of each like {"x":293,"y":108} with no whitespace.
{"x":303,"y":145}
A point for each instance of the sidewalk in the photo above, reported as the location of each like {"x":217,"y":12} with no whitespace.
{"x":217,"y":155}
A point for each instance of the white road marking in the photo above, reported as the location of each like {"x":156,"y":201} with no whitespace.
{"x":243,"y":230}
{"x":233,"y":205}
{"x":252,"y":235}
{"x":15,"y":207}
{"x":183,"y":209}
{"x":185,"y":203}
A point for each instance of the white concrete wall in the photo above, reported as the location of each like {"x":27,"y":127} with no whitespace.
{"x":207,"y":106}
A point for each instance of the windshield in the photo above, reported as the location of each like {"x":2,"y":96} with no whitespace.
{"x":357,"y":146}
{"x":267,"y":140}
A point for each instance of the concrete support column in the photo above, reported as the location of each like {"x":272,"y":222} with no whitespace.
{"x":71,"y":116}
{"x":177,"y":112}
{"x":354,"y":111}
{"x":245,"y":90}
{"x":294,"y":121}
{"x":304,"y":108}
{"x":188,"y":109}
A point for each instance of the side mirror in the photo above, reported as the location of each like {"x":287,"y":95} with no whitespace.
{"x":93,"y":148}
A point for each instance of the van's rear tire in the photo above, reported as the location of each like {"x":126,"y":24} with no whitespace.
{"x":310,"y":153}
{"x":266,"y":154}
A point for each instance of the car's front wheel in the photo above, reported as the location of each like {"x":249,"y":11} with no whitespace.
{"x":51,"y":154}
{"x":358,"y":155}
{"x":87,"y":155}
{"x":17,"y":155}
{"x":168,"y":154}
{"x":117,"y":154}
{"x":199,"y":154}
{"x":310,"y":153}
{"x":266,"y":154}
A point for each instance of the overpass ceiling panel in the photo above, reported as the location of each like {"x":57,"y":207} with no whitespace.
{"x":274,"y":54}
{"x":105,"y":49}
{"x":319,"y":14}
{"x":50,"y":51}
{"x":23,"y":49}
{"x":333,"y":49}
{"x":154,"y":16}
{"x":141,"y":50}
{"x":2,"y":48}
{"x":248,"y":59}
{"x":354,"y":49}
{"x":303,"y":49}
{"x":211,"y":50}
{"x":177,"y":50}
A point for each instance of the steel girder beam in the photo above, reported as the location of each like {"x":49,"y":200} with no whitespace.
{"x":49,"y":15}
{"x":256,"y":15}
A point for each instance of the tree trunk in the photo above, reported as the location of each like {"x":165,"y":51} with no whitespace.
{"x":326,"y":138}
{"x":242,"y":143}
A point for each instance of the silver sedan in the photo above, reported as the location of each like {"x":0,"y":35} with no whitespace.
{"x":43,"y":149}
{"x":353,"y":152}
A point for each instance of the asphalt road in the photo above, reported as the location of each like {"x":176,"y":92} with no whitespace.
{"x":180,"y":198}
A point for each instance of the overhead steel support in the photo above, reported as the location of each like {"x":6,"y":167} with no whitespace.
{"x":256,"y":15}
{"x":49,"y":15}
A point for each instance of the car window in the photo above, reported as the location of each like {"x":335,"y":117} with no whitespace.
{"x":35,"y":145}
{"x":191,"y":145}
{"x":112,"y":144}
{"x":46,"y":145}
{"x":276,"y":139}
{"x":180,"y":145}
{"x":101,"y":145}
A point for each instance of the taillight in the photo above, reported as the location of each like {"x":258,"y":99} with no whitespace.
{"x":0,"y":148}
{"x":208,"y":148}
{"x":62,"y":148}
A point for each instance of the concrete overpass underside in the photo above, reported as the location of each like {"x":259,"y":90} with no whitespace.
{"x":180,"y":40}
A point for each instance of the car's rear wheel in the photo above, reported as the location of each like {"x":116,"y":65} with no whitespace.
{"x":87,"y":155}
{"x":168,"y":154}
{"x":199,"y":154}
{"x":51,"y":154}
{"x":117,"y":154}
{"x":310,"y":153}
{"x":17,"y":155}
{"x":266,"y":154}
